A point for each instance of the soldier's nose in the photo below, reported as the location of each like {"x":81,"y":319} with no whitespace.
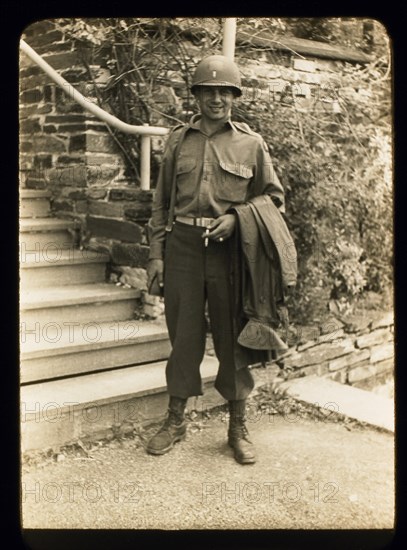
{"x":216,"y":95}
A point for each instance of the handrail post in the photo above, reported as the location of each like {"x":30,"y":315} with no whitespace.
{"x":145,"y":152}
{"x":229,"y":37}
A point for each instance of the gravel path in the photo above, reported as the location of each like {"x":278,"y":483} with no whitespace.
{"x":309,"y":475}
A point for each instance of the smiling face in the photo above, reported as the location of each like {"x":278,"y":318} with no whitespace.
{"x":215,"y":102}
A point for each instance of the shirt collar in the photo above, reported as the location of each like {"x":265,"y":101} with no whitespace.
{"x":195,"y":123}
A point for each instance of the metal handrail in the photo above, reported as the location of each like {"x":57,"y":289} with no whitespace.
{"x":86,"y":103}
{"x":144,"y":131}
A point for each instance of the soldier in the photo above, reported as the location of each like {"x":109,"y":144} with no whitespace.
{"x":210,"y":165}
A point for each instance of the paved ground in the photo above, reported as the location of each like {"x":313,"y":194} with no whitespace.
{"x":310,"y":474}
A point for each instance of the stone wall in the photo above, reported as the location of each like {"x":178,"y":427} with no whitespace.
{"x":358,"y":351}
{"x":74,"y":155}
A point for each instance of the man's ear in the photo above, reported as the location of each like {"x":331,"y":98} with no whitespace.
{"x":197,"y":97}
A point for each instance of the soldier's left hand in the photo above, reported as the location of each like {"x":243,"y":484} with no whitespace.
{"x":222,"y":228}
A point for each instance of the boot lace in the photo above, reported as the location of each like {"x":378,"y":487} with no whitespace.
{"x":240,"y":431}
{"x":173,"y":420}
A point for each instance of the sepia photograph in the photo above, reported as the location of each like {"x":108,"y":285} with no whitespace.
{"x":206,"y":275}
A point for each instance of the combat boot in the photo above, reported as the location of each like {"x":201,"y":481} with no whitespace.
{"x":238,"y":435}
{"x":173,"y":429}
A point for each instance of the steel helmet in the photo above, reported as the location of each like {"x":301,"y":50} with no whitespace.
{"x":217,"y":70}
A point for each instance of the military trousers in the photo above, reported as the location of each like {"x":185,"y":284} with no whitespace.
{"x":196,"y":275}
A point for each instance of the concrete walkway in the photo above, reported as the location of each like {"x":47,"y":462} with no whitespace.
{"x":310,"y":474}
{"x":364,"y":406}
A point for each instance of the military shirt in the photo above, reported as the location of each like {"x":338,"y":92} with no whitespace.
{"x":214,"y":173}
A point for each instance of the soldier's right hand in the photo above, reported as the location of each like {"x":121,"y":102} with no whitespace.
{"x":155,"y":268}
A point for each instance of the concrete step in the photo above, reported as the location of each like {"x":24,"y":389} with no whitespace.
{"x":67,"y":266}
{"x":98,"y":302}
{"x":93,"y":406}
{"x":34,"y":193}
{"x":34,"y":203}
{"x":33,"y":183}
{"x":57,"y":351}
{"x":38,"y":236}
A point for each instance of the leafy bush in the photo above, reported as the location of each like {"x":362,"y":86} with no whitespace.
{"x":333,"y":156}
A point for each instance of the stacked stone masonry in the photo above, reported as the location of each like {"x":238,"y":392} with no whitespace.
{"x":358,"y":351}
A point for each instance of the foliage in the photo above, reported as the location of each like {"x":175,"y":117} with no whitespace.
{"x":334,"y":30}
{"x":332,"y":151}
{"x":333,"y":155}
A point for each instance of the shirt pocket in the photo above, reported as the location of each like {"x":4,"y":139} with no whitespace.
{"x":186,"y":176}
{"x":233,"y":181}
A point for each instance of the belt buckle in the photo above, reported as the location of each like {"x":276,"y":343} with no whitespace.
{"x":203,"y":222}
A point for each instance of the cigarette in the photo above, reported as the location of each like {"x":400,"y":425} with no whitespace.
{"x":206,"y":238}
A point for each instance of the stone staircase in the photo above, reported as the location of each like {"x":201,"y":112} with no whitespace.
{"x":88,"y":369}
